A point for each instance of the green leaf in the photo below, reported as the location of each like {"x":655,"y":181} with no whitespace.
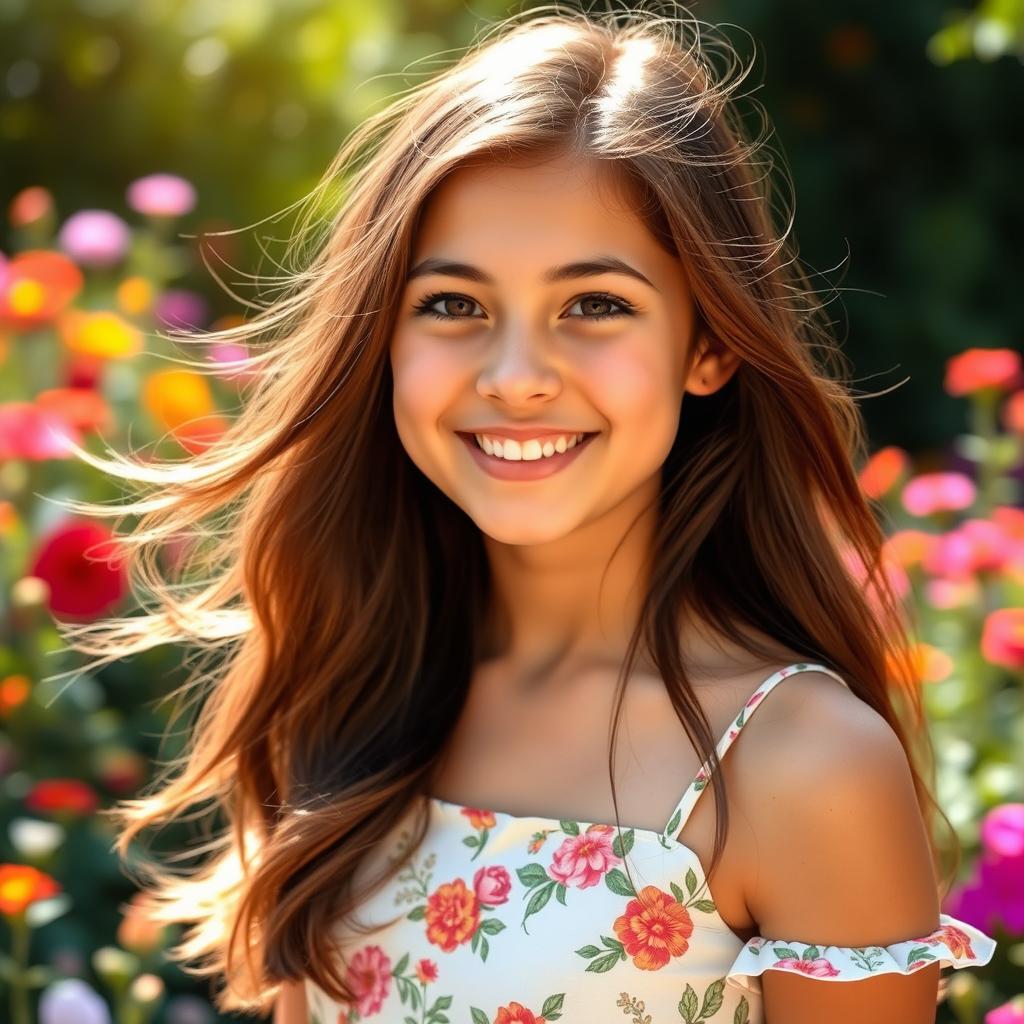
{"x":560,"y":894}
{"x":417,"y":913}
{"x":588,"y":951}
{"x":704,"y":906}
{"x":712,"y":998}
{"x":570,"y":828}
{"x":785,"y":953}
{"x":479,"y":1017}
{"x":532,"y":875}
{"x":619,"y":883}
{"x":552,"y":1006}
{"x":742,"y":1014}
{"x":492,"y":925}
{"x":688,"y":1005}
{"x":691,"y":881}
{"x":621,"y":845}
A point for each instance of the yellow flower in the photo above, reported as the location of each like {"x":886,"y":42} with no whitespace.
{"x":100,"y":333}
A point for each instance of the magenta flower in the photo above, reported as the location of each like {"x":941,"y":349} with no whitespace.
{"x":79,"y":563}
{"x":583,"y":860}
{"x":179,"y":308}
{"x":1002,"y":831}
{"x":161,"y":195}
{"x":1009,"y":1013}
{"x":95,"y":238}
{"x":3,"y":271}
{"x":1002,"y":638}
{"x":938,"y":492}
{"x":29,"y":431}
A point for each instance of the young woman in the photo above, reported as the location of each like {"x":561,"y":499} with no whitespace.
{"x":543,"y":500}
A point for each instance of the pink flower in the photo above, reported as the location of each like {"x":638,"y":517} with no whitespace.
{"x":1002,"y":831}
{"x":180,"y":308}
{"x":28,"y":431}
{"x":819,"y":968}
{"x":585,"y":859}
{"x":492,"y":885}
{"x":1011,"y":1012}
{"x":161,"y":195}
{"x":1002,"y":638}
{"x":369,"y":977}
{"x":938,"y":492}
{"x":95,"y":238}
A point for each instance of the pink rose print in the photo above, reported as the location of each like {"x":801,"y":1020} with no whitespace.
{"x":492,"y":885}
{"x":819,"y":968}
{"x":585,"y":859}
{"x":369,"y":977}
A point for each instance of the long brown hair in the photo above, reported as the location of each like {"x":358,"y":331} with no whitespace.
{"x":343,"y":593}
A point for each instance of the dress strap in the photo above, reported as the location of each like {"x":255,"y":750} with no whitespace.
{"x":682,"y":810}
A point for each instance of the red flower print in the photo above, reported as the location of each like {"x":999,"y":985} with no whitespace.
{"x":369,"y":977}
{"x":819,"y":968}
{"x":452,"y":915}
{"x":479,"y":818}
{"x":754,"y":698}
{"x":959,"y":941}
{"x":492,"y":885}
{"x":585,"y":859}
{"x":516,"y":1013}
{"x":654,"y":928}
{"x":426,"y":971}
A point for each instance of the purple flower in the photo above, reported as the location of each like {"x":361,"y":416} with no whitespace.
{"x":180,"y":308}
{"x":95,"y":238}
{"x":161,"y":195}
{"x":72,"y":1001}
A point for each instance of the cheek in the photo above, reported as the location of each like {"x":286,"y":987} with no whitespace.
{"x":640,"y":398}
{"x":425,"y":382}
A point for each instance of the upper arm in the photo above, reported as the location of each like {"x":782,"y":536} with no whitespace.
{"x":290,"y":1006}
{"x":841,"y":857}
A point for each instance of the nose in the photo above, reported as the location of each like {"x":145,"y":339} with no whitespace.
{"x":519,"y":368}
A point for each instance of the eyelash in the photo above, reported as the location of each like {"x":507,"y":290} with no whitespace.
{"x":423,"y":307}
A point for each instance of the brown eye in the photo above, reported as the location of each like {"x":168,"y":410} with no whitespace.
{"x":458,"y":303}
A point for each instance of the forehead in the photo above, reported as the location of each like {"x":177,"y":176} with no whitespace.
{"x":536,"y":212}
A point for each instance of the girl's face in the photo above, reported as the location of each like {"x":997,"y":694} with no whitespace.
{"x":508,"y":328}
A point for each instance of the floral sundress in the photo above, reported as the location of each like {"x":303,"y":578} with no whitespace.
{"x":506,"y":919}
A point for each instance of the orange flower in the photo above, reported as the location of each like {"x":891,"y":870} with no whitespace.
{"x":452,"y":915}
{"x":654,"y":928}
{"x":908,"y":548}
{"x":1013,"y":413}
{"x":516,"y":1013}
{"x":21,"y":885}
{"x":882,"y":470}
{"x":14,"y":691}
{"x":479,"y":818}
{"x":174,"y":397}
{"x":957,"y":939}
{"x":40,"y":285}
{"x":979,"y":368}
{"x":85,"y":408}
{"x":135,"y":295}
{"x":55,"y":795}
{"x":139,"y":932}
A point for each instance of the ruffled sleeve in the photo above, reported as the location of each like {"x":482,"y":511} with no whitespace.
{"x":954,"y":944}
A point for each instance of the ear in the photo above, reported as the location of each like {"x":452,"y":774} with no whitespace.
{"x":714,"y":365}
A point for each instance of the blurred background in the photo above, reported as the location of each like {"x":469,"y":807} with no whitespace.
{"x":133,"y":132}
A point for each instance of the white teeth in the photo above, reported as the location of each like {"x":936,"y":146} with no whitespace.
{"x":528,"y":451}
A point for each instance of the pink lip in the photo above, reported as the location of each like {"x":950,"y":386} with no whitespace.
{"x":535,"y":469}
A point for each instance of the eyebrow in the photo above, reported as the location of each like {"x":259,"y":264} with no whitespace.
{"x":565,"y":272}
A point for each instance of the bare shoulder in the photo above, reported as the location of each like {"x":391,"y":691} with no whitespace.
{"x":840,"y":853}
{"x":290,"y":1006}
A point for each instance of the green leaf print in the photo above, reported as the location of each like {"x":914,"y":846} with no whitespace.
{"x":617,"y":881}
{"x":560,"y":894}
{"x":537,"y":901}
{"x":691,"y":881}
{"x":552,"y":1008}
{"x":417,"y":913}
{"x":688,"y":1005}
{"x":704,"y":906}
{"x":479,"y":1017}
{"x":532,"y":875}
{"x":601,"y":962}
{"x":712,"y":1002}
{"x":742,"y":1014}
{"x":621,"y":845}
{"x":492,"y":925}
{"x":868,"y":958}
{"x":677,"y":892}
{"x":570,"y":828}
{"x":674,"y":821}
{"x":785,"y":953}
{"x":399,"y":968}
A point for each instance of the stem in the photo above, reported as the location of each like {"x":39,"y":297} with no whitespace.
{"x":19,"y":989}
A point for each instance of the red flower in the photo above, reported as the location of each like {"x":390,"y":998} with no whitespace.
{"x":426,"y":971}
{"x":40,"y":285}
{"x":21,"y":885}
{"x":55,"y":795}
{"x":654,"y":928}
{"x":516,"y":1013}
{"x":979,"y":368}
{"x":882,"y":471}
{"x":77,"y":561}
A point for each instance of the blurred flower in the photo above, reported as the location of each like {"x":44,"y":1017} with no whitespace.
{"x":29,"y":431}
{"x":180,"y":308}
{"x":119,"y":769}
{"x":72,"y":1001}
{"x":29,"y":205}
{"x":948,"y":595}
{"x":938,"y":492}
{"x":14,"y":691}
{"x":82,"y":371}
{"x":908,"y":547}
{"x":95,"y":238}
{"x":75,"y":560}
{"x":22,"y":885}
{"x":1002,"y":638}
{"x":146,"y":988}
{"x":173,"y":397}
{"x":85,"y":408}
{"x":138,"y":932}
{"x":849,"y":46}
{"x":115,"y":966}
{"x":100,"y":333}
{"x":978,"y":368}
{"x":67,"y":961}
{"x":3,"y":272}
{"x":8,"y":517}
{"x":40,"y":285}
{"x":188,"y":1009}
{"x":931,"y":665}
{"x":197,"y":435}
{"x":135,"y":295}
{"x":161,"y":195}
{"x":883,"y":470}
{"x":1011,"y":1012}
{"x":33,"y":838}
{"x":231,"y":361}
{"x":55,"y":796}
{"x":976,"y":545}
{"x":995,"y":892}
{"x":1013,"y":413}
